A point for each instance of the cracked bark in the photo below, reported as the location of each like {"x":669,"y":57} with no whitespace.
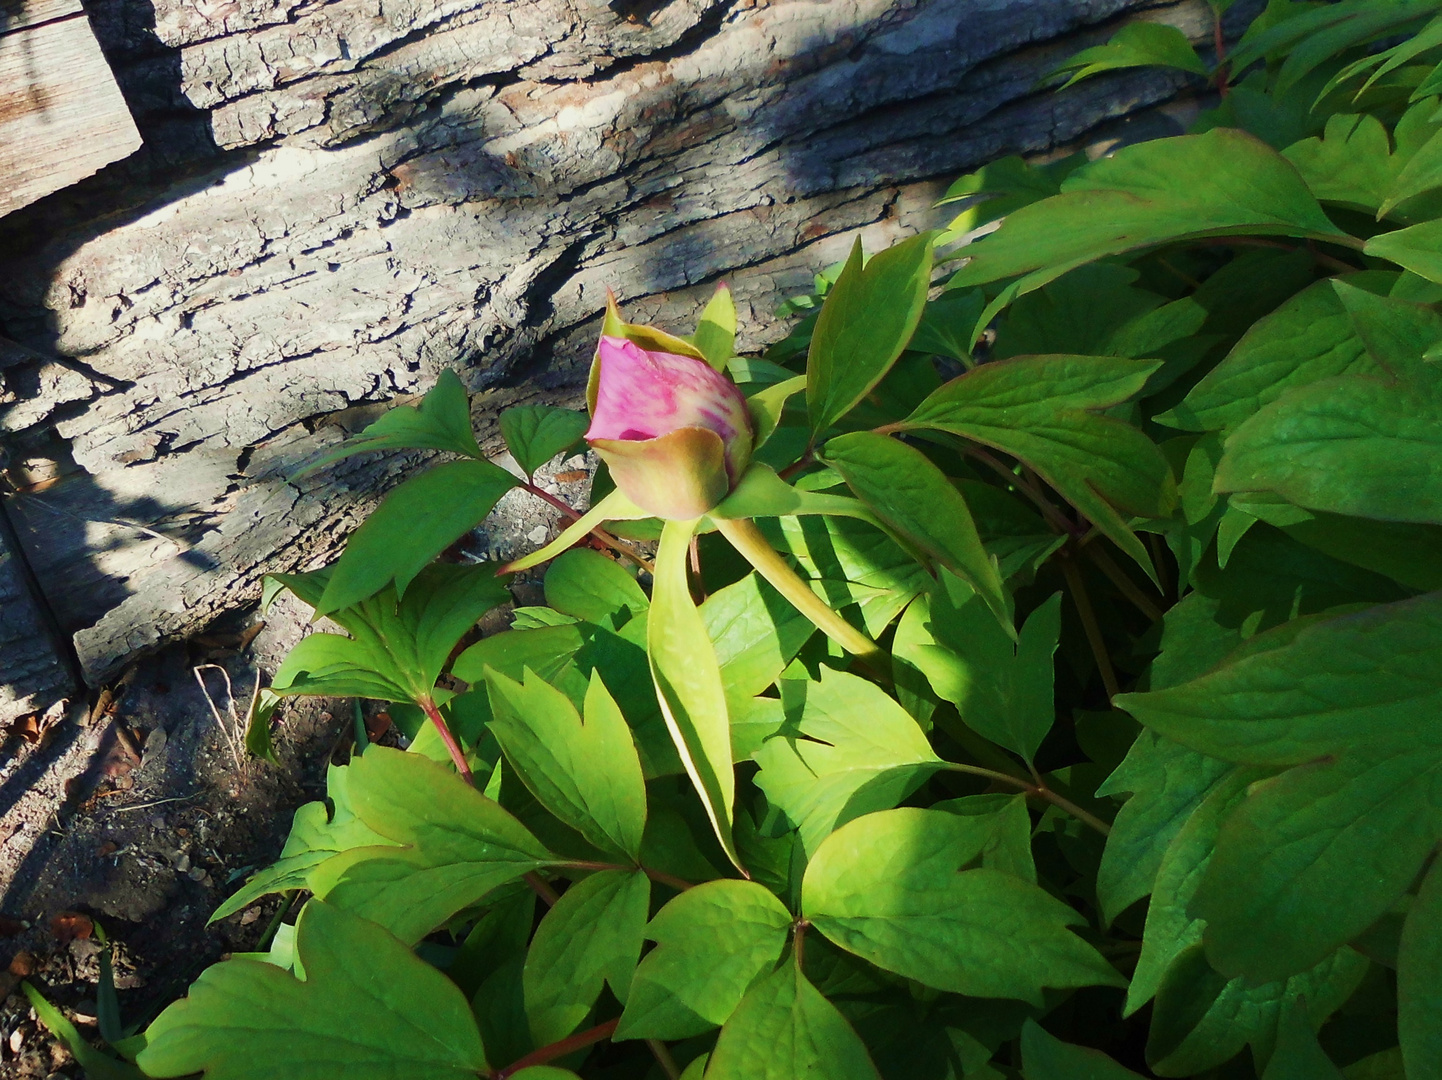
{"x":339,"y":198}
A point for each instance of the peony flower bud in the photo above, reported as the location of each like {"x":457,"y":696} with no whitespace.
{"x":675,"y":432}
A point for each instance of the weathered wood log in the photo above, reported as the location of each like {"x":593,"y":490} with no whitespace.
{"x":61,"y":114}
{"x":339,"y":198}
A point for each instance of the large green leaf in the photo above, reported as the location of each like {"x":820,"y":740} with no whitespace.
{"x":1045,"y":1057}
{"x":592,"y":587}
{"x":851,"y":562}
{"x":535,"y":434}
{"x":917,"y":500}
{"x":853,"y":750}
{"x":1314,"y":856}
{"x":367,"y":1007}
{"x":1297,"y":1055}
{"x":1002,"y":689}
{"x":1366,"y":446}
{"x":688,"y":683}
{"x":869,"y":316}
{"x":1308,"y":338}
{"x":441,"y":421}
{"x":1419,"y":981}
{"x":591,"y":937}
{"x":1201,"y":1019}
{"x":398,"y":648}
{"x":415,"y":523}
{"x":756,"y":632}
{"x":891,"y":888}
{"x":587,"y":774}
{"x":1041,"y":410}
{"x":712,"y":943}
{"x":1148,"y":194}
{"x":1418,"y":248}
{"x":1350,"y":164}
{"x":785,"y":1029}
{"x":1167,"y":781}
{"x":455,"y":845}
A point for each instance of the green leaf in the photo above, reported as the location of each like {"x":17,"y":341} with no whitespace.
{"x":456,"y":845}
{"x":415,"y":523}
{"x":1351,"y":164}
{"x":755,"y":632}
{"x":1008,"y":847}
{"x":761,"y":493}
{"x":1309,"y":338}
{"x":869,"y":316}
{"x":767,"y":407}
{"x":1148,"y":194}
{"x":1138,"y":44}
{"x":915,"y":498}
{"x":1317,"y":854}
{"x":853,"y":750}
{"x":785,"y":1029}
{"x":591,"y":937}
{"x":592,"y":587}
{"x":1172,"y":925}
{"x":1039,"y":409}
{"x":688,"y":683}
{"x":994,"y":191}
{"x":367,"y":1007}
{"x":588,"y":774}
{"x":1365,"y":446}
{"x":398,"y":649}
{"x":716,"y":331}
{"x":1045,"y":1057}
{"x":850,"y":562}
{"x":712,"y":943}
{"x":535,"y":434}
{"x":442,"y":421}
{"x":317,"y":832}
{"x":1002,"y":689}
{"x":1298,"y":1055}
{"x":1422,"y":172}
{"x":1418,"y":248}
{"x":891,"y":888}
{"x":1202,"y":1020}
{"x":97,"y":1065}
{"x":1168,"y":782}
{"x":1419,"y":981}
{"x":947,"y":322}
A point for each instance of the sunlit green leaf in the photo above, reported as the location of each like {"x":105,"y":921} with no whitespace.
{"x":853,"y":750}
{"x":783,"y":1029}
{"x":415,"y":523}
{"x":592,"y":587}
{"x":535,"y":434}
{"x":688,"y":683}
{"x":915,"y":498}
{"x":587,"y":774}
{"x":891,"y":888}
{"x":869,"y":316}
{"x":367,"y":1007}
{"x":592,"y":936}
{"x":1137,"y":44}
{"x":716,"y":330}
{"x":712,"y":943}
{"x":441,"y":421}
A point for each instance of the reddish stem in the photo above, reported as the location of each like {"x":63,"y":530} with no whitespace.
{"x":453,"y":746}
{"x":555,"y":1050}
{"x":798,"y":942}
{"x":540,"y":888}
{"x":679,"y":884}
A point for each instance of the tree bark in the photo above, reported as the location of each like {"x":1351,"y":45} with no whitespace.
{"x":339,"y":198}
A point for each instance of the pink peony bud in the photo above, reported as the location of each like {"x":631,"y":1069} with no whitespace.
{"x":675,"y":432}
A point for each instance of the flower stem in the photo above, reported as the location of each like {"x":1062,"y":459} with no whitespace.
{"x":599,"y":533}
{"x":1037,"y":788}
{"x":453,"y":746}
{"x":568,"y":1045}
{"x":664,"y":1059}
{"x":660,"y":876}
{"x":1088,"y":617}
{"x":748,"y":540}
{"x":540,"y":888}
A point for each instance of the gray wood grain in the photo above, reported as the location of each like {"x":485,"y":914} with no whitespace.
{"x":398,"y":188}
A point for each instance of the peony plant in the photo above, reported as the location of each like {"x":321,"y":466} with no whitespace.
{"x":1115,"y":753}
